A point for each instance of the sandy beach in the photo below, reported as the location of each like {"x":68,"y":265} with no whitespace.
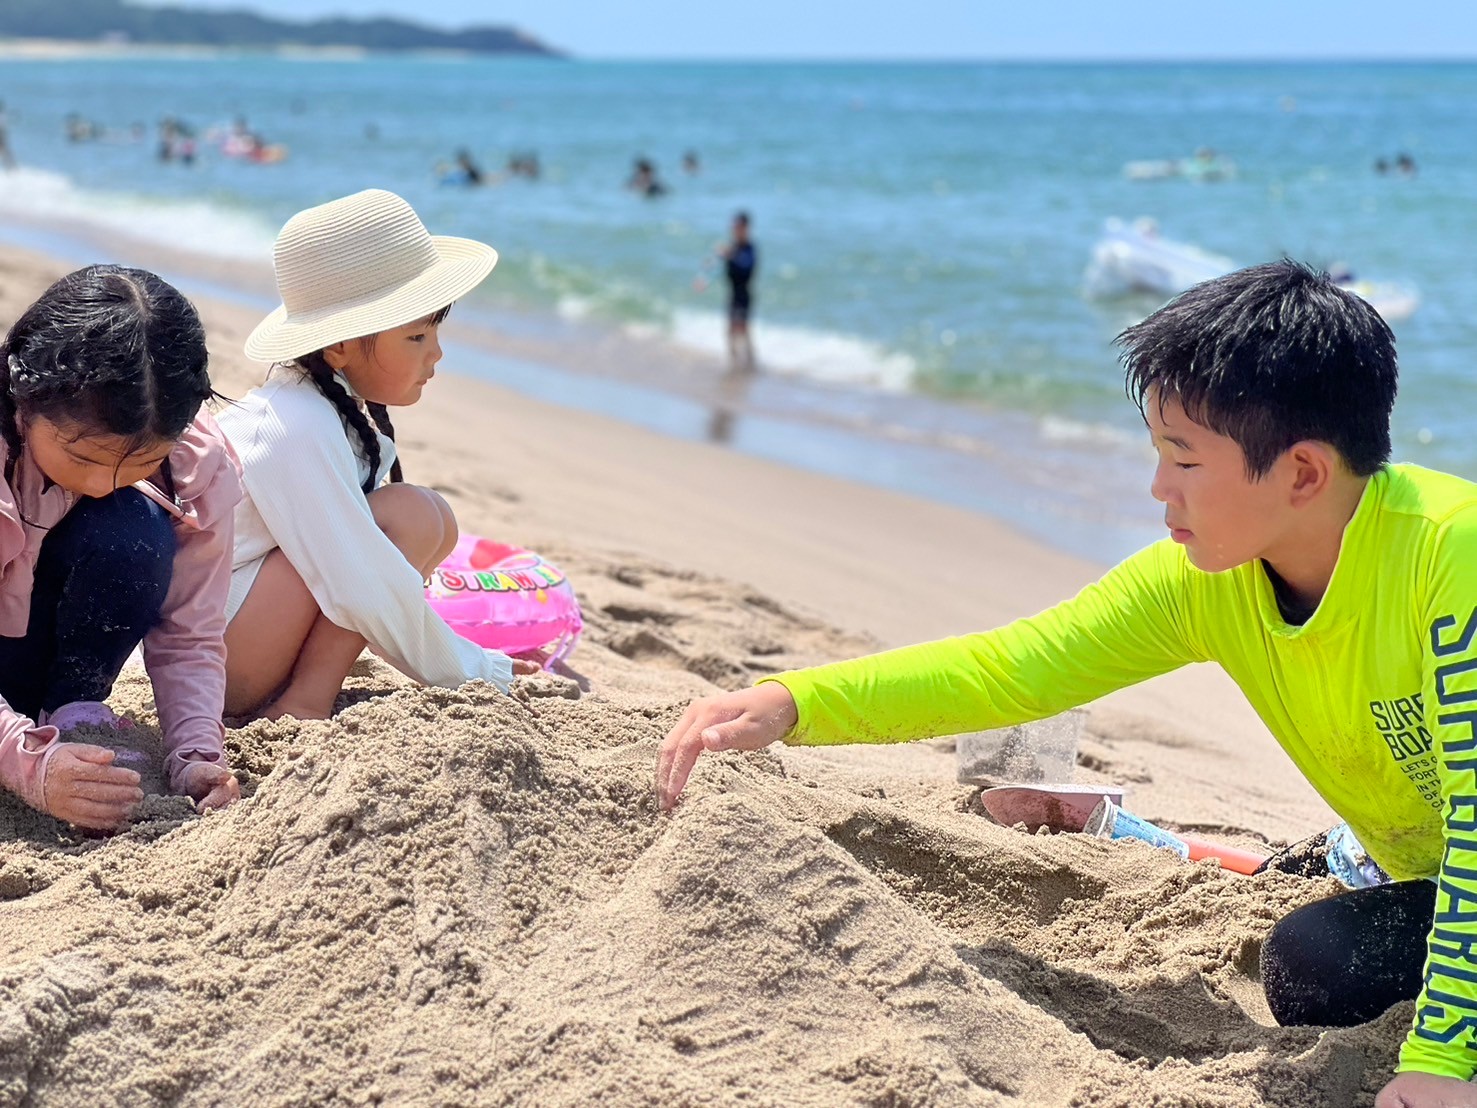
{"x":456,"y":897}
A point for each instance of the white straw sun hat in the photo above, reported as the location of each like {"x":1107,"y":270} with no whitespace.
{"x":357,"y":266}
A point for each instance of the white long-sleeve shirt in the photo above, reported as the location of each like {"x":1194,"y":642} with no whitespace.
{"x":304,"y":495}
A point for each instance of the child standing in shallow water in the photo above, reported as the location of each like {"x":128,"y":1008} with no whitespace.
{"x":328,"y":556}
{"x":115,"y":528}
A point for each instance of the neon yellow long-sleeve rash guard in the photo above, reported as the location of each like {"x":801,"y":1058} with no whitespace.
{"x":1374,"y":697}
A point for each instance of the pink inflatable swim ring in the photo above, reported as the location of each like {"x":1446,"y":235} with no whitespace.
{"x":505,"y":598}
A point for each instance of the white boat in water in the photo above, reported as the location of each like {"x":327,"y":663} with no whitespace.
{"x":1135,"y":258}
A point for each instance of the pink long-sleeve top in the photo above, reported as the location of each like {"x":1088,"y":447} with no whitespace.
{"x":184,"y":653}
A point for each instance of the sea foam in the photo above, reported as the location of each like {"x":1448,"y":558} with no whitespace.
{"x":200,"y":226}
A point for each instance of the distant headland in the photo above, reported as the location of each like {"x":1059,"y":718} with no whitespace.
{"x":61,"y":26}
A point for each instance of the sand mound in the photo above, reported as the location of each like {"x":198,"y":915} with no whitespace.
{"x":465,"y":898}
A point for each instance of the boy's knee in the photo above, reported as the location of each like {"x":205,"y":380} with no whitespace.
{"x":1344,"y":960}
{"x":1291,"y":984}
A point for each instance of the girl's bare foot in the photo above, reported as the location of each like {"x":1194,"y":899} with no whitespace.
{"x":285,"y":705}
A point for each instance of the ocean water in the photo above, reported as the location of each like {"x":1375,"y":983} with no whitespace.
{"x":923,"y":229}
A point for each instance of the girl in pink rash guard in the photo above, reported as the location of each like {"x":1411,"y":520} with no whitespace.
{"x":116,"y":515}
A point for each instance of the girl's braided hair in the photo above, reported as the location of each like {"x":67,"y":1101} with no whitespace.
{"x":109,"y":350}
{"x":315,"y":368}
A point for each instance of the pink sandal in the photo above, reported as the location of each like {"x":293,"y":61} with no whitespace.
{"x":81,"y":713}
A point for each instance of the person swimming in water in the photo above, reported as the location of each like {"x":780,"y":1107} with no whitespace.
{"x":644,"y":180}
{"x":525,"y":164}
{"x":469,"y":168}
{"x":462,"y":171}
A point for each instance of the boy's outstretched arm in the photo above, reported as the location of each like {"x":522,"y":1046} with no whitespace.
{"x":749,"y":719}
{"x":1129,"y":626}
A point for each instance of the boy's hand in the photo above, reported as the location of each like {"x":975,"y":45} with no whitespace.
{"x":84,"y":788}
{"x":1427,"y":1090}
{"x":749,"y":719}
{"x":209,"y":784}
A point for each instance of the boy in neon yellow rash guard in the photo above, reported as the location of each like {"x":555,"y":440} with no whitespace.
{"x":1338,"y":591}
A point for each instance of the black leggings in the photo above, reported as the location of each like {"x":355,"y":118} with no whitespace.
{"x":1345,"y":960}
{"x":101,"y":579}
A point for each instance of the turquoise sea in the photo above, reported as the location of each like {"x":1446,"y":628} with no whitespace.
{"x":923,"y":230}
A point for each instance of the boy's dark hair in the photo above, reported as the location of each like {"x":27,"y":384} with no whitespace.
{"x":316,"y":368}
{"x":110,"y":350}
{"x":1270,"y":356}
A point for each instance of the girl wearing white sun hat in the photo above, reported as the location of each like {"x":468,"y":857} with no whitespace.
{"x":328,"y":556}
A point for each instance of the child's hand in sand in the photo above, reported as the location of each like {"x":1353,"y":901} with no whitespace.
{"x":209,"y":784}
{"x":749,"y":719}
{"x":86,"y":789}
{"x":1427,"y":1090}
{"x":529,"y":663}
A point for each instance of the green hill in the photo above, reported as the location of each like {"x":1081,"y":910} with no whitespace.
{"x":115,"y":20}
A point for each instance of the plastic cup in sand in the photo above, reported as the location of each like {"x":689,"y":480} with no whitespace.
{"x":1108,"y":821}
{"x":1045,"y":750}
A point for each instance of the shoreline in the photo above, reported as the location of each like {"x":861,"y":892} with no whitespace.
{"x":1053,"y":479}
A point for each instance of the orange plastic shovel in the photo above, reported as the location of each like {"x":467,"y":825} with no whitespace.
{"x":1237,"y":861}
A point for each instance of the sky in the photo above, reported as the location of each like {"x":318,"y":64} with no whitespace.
{"x":943,"y":29}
